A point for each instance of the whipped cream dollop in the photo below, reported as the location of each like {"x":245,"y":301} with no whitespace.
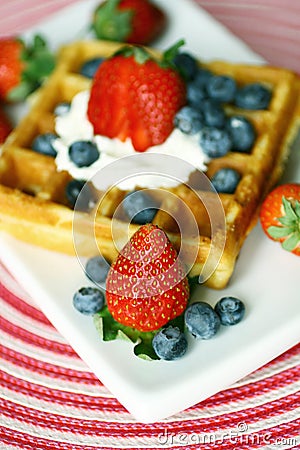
{"x":75,"y":126}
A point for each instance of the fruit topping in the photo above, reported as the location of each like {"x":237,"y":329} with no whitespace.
{"x":87,"y":198}
{"x":242,"y":133}
{"x":231,"y":310}
{"x":88,"y":300}
{"x":201,"y":320}
{"x":134,"y":96}
{"x":221,"y":88}
{"x":97,"y":268}
{"x":280,"y":216}
{"x":170,"y":343}
{"x":23,"y":67}
{"x":83,"y":153}
{"x":132,"y":21}
{"x":215,"y":142}
{"x":43,"y":143}
{"x":253,"y":96}
{"x":90,"y":67}
{"x":225,"y":180}
{"x":139,"y":207}
{"x":146,"y":286}
{"x":189,"y":120}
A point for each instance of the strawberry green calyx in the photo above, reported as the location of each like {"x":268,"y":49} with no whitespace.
{"x":38,"y":63}
{"x":290,"y":225}
{"x":139,"y":53}
{"x":112,"y":24}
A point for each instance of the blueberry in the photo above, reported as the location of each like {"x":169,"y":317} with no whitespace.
{"x":62,"y":108}
{"x":213,"y":113}
{"x":97,"y":268}
{"x":202,"y":77}
{"x":186,"y":64}
{"x":43,"y":143}
{"x":83,"y":153}
{"x":226,"y":180}
{"x":231,"y":310}
{"x":88,"y":300}
{"x":215,"y":142}
{"x":169,"y":343}
{"x":242,"y":133}
{"x":195,"y":94}
{"x":189,"y":120}
{"x":90,"y":67}
{"x":201,"y":320}
{"x":139,"y":207}
{"x":253,"y":96}
{"x":221,"y":88}
{"x":86,"y":199}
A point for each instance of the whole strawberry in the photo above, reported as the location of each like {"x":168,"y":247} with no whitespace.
{"x":23,"y":67}
{"x":132,"y":21}
{"x":5,"y":126}
{"x":146,"y":286}
{"x":280,"y":216}
{"x":134,"y":96}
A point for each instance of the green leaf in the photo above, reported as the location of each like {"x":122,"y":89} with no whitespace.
{"x":110,"y":23}
{"x":288,"y":209}
{"x":279,"y":232}
{"x":109,"y":329}
{"x":20,"y":92}
{"x":297,"y":209}
{"x":292,"y":241}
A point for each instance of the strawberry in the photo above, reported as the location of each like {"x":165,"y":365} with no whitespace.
{"x":280,"y":216}
{"x":146,"y":286}
{"x":5,"y":126}
{"x":132,"y":21}
{"x":134,"y":96}
{"x":22,"y":67}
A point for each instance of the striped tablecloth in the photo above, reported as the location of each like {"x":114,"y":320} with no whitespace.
{"x":50,"y":399}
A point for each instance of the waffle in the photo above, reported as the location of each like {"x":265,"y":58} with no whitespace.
{"x":34,"y":208}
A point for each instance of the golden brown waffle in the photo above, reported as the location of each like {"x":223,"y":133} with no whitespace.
{"x":33,"y":206}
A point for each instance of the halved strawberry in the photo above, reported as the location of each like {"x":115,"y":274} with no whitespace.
{"x":132,"y":21}
{"x":280,"y":216}
{"x":146,"y":286}
{"x":134,"y":96}
{"x":23,"y":67}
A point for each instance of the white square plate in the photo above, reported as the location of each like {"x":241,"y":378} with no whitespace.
{"x":266,"y":278}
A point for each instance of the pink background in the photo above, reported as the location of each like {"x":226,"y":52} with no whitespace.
{"x":270,"y":27}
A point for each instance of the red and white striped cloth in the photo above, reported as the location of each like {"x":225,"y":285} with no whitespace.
{"x":270,"y":27}
{"x":50,"y":400}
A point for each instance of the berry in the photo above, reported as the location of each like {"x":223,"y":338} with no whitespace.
{"x":139,"y":207}
{"x":280,"y":216}
{"x":169,"y":343}
{"x":23,"y":67}
{"x":88,"y":300}
{"x":230,"y":310}
{"x":195,"y":94}
{"x":86,"y":199}
{"x":213,"y":113}
{"x":132,"y":21}
{"x":201,"y":320}
{"x":97,"y":268}
{"x":134,"y":96}
{"x":215,"y":142}
{"x":242,"y":133}
{"x":5,"y":126}
{"x":83,"y":153}
{"x":225,"y":180}
{"x":221,"y":88}
{"x":62,"y":108}
{"x":90,"y":67}
{"x":202,"y":77}
{"x":253,"y":96}
{"x":186,"y":64}
{"x":189,"y":120}
{"x":146,"y":286}
{"x":43,"y":143}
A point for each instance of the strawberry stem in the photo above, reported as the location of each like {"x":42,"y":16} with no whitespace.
{"x":112,"y":24}
{"x":290,"y":225}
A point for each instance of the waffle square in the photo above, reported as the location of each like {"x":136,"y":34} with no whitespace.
{"x":33,"y":204}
